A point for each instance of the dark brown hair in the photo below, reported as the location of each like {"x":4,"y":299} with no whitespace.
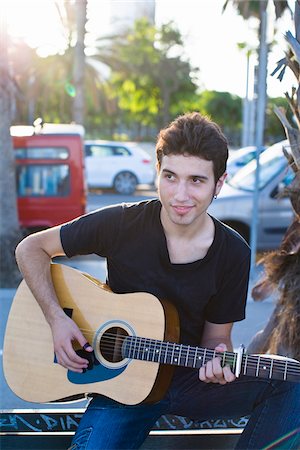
{"x":195,"y":135}
{"x":282,"y":268}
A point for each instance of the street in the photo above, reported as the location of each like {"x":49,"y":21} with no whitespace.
{"x":257,"y":313}
{"x":99,"y":198}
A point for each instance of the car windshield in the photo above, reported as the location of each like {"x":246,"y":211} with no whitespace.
{"x":271,"y":163}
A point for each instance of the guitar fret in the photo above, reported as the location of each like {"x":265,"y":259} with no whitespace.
{"x":179,"y":355}
{"x":172,"y":356}
{"x":285,"y":370}
{"x":257,"y":366}
{"x":170,"y":353}
{"x":147,"y":349}
{"x":152,"y":348}
{"x":271,"y":368}
{"x":192,"y":357}
{"x":182,"y":355}
{"x":153,"y":351}
{"x":131,"y":347}
{"x":200,"y":359}
{"x":166,"y":353}
{"x":245,"y":365}
{"x":214,"y":354}
{"x":195,"y":358}
{"x":177,"y":359}
{"x":136,"y":347}
{"x":158,"y":351}
{"x":139,"y":348}
{"x":204,"y":356}
{"x":266,"y":367}
{"x":234,"y":360}
{"x":187,"y":356}
{"x":128,"y":347}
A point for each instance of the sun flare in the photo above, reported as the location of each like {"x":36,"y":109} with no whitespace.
{"x":36,"y":22}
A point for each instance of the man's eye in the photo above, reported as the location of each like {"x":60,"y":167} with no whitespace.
{"x":169,"y":176}
{"x":196,"y":180}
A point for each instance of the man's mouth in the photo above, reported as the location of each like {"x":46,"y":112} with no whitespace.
{"x":182,"y":209}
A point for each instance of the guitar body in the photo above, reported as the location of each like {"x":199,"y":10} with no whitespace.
{"x":29,"y":361}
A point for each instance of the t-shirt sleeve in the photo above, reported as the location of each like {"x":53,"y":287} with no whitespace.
{"x":96,"y":232}
{"x":229,"y":303}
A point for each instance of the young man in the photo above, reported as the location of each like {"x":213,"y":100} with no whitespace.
{"x":172,"y":248}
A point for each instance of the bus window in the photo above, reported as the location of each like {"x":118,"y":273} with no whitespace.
{"x":50,"y":175}
{"x":43,"y":180}
{"x":42,"y":153}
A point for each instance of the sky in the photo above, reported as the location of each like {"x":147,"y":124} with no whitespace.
{"x":210,"y":37}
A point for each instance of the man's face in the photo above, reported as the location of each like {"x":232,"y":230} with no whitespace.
{"x":186,"y":187}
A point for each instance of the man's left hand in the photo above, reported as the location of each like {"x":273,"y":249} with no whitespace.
{"x":213,"y":372}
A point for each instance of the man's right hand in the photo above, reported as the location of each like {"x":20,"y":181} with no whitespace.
{"x":65,"y":332}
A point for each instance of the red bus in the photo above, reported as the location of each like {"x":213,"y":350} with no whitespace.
{"x":50,"y":174}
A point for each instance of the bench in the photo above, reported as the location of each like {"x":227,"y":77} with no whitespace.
{"x":53,"y":429}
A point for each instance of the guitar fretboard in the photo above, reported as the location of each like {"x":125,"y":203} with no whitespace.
{"x":261,"y":366}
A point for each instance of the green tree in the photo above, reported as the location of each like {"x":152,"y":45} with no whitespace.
{"x":149,"y":71}
{"x":225,"y":109}
{"x":55,"y":86}
{"x":273,"y":128}
{"x":9,"y":224}
{"x":79,"y":63}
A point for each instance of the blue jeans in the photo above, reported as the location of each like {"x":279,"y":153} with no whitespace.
{"x":274,"y":407}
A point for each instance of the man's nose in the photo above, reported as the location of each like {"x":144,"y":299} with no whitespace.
{"x":181,"y":193}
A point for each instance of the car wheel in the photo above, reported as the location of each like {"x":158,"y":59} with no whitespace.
{"x":125,"y":183}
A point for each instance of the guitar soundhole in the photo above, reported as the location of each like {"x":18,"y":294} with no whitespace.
{"x":111,"y":344}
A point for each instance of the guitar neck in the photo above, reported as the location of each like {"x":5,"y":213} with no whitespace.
{"x":262,"y":366}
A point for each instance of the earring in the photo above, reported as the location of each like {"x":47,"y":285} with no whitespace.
{"x":215,"y":197}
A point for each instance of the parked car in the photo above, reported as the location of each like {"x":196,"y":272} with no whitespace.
{"x":239,"y":158}
{"x":118,"y":165}
{"x":50,"y":177}
{"x":234,"y":205}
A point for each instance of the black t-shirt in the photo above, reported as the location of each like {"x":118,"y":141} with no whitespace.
{"x":132,"y":239}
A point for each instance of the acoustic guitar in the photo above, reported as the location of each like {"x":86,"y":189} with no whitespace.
{"x":134,"y":338}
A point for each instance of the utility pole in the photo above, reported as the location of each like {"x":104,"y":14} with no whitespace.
{"x":260,"y":122}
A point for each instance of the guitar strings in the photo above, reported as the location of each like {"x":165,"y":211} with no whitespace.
{"x":211,"y":353}
{"x":118,"y":338}
{"x":278,"y":366}
{"x":190,"y":353}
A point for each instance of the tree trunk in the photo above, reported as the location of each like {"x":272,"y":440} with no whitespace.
{"x":10,"y":232}
{"x":79,"y":62}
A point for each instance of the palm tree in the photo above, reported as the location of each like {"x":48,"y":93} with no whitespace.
{"x":9,"y":224}
{"x":258,"y":9}
{"x":79,"y":63}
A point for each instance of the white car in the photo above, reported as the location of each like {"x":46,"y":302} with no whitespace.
{"x":240,"y":157}
{"x":118,"y":165}
{"x":234,"y":205}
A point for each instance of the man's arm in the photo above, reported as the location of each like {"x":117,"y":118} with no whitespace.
{"x":33,"y":256}
{"x":217,"y":337}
